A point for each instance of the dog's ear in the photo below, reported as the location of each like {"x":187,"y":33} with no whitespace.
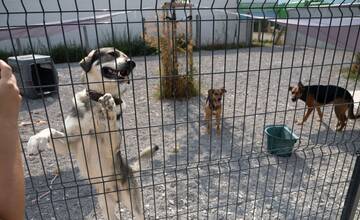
{"x":223,"y":90}
{"x":210,"y":92}
{"x":86,"y":63}
{"x":300,"y":84}
{"x":290,"y":88}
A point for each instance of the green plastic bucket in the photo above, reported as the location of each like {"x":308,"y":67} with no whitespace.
{"x":280,"y":140}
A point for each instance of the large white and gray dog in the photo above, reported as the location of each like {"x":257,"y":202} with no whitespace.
{"x":92,"y":132}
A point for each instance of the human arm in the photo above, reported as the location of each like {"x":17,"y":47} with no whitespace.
{"x":12,"y":203}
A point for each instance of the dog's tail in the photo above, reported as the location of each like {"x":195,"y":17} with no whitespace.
{"x":351,"y":111}
{"x":131,"y":195}
{"x":145,"y":156}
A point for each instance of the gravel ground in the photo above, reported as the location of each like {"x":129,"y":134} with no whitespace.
{"x":199,"y":176}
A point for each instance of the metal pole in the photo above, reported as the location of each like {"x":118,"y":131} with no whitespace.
{"x":86,"y":39}
{"x":259,"y":29}
{"x":198,"y":34}
{"x":353,"y":194}
{"x":18,"y":44}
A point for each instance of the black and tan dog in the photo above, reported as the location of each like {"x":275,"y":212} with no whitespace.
{"x":213,"y":107}
{"x":316,"y":96}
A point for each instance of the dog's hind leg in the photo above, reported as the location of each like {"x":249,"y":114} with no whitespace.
{"x":340,"y":111}
{"x":338,"y":117}
{"x":129,"y":192}
{"x":208,"y":115}
{"x":343,"y":121}
{"x":218,"y":115}
{"x":130,"y":197}
{"x":321,"y":114}
{"x":107,"y":201}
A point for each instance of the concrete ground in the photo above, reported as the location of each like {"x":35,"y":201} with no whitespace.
{"x":201,"y":176}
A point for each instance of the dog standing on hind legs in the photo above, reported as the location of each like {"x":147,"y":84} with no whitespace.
{"x":92,"y":133}
{"x":213,"y":107}
{"x":316,"y":96}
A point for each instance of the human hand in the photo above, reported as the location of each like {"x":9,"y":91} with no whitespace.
{"x":10,"y":98}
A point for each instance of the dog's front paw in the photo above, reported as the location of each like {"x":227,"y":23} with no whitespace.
{"x":218,"y":131}
{"x":208,"y":129}
{"x":107,"y":102}
{"x":37,"y":143}
{"x":339,"y":128}
{"x":299,"y":122}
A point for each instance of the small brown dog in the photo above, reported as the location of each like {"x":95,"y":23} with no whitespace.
{"x":213,"y":107}
{"x":315,"y":96}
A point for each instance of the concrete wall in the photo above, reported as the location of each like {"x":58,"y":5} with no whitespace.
{"x":222,"y":22}
{"x":345,"y":37}
{"x":334,"y":11}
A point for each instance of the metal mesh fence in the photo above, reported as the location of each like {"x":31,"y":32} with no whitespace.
{"x":255,"y":50}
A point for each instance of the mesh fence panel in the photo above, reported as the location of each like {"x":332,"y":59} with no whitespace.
{"x":182,"y":49}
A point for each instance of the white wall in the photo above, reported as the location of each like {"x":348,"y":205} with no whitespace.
{"x":214,"y":21}
{"x":331,"y":38}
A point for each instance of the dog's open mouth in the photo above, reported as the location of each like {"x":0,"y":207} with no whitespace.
{"x":122,"y":75}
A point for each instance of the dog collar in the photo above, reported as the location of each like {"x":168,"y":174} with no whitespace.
{"x":93,"y":95}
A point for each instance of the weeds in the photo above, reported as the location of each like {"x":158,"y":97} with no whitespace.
{"x":220,"y":46}
{"x":4,"y":54}
{"x":174,"y":84}
{"x":74,"y":52}
{"x":71,"y":53}
{"x":134,"y":47}
{"x":353,"y":71}
{"x":349,"y":73}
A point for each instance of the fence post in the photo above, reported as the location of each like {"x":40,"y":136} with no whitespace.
{"x":18,"y":44}
{"x":197,"y":31}
{"x":86,"y":39}
{"x":353,"y":193}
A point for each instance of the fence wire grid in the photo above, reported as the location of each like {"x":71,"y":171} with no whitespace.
{"x":254,"y":49}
